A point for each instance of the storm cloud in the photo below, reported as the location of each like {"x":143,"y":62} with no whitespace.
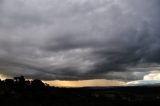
{"x":79,"y":39}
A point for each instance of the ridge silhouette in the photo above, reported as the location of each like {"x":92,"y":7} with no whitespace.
{"x":21,"y":92}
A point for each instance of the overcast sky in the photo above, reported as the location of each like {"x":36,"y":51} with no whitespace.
{"x":79,"y":39}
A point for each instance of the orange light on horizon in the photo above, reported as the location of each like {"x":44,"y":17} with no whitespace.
{"x":85,"y":83}
{"x":79,"y":83}
{"x":2,"y":77}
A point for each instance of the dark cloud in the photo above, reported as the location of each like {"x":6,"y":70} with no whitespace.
{"x":85,"y":39}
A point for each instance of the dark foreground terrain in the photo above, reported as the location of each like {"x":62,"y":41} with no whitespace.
{"x":19,"y":92}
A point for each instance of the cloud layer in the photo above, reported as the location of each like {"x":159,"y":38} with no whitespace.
{"x":79,"y":39}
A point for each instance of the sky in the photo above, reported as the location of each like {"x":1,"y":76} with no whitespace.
{"x":80,"y":39}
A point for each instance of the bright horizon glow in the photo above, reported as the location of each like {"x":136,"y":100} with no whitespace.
{"x":152,"y":78}
{"x":2,"y":77}
{"x":79,"y":83}
{"x":85,"y":83}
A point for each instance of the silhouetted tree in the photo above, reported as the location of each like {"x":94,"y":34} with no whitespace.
{"x":9,"y":83}
{"x":20,"y":80}
{"x":37,"y":83}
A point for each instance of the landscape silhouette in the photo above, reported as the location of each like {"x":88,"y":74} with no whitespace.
{"x":21,"y":92}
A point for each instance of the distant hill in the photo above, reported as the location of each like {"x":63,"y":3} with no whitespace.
{"x":144,"y":82}
{"x":21,"y":92}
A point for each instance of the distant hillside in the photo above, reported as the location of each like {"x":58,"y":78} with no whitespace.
{"x":21,"y":92}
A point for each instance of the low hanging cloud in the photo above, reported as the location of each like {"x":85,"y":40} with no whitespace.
{"x":151,"y":78}
{"x":154,"y":75}
{"x":79,"y":39}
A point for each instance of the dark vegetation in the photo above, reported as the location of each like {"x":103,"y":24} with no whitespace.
{"x":21,"y":92}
